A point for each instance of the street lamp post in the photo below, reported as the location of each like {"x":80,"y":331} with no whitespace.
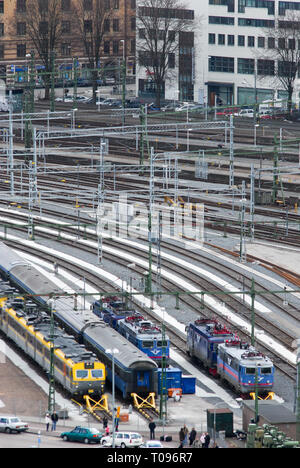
{"x":113,"y":351}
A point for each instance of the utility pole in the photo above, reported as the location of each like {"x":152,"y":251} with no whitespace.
{"x":231,"y":153}
{"x":163,"y":382}
{"x":52,"y":94}
{"x":252,"y":295}
{"x":75,"y":63}
{"x":298,"y":393}
{"x":243,"y":226}
{"x":142,"y":139}
{"x":275,"y":172}
{"x":51,"y":397}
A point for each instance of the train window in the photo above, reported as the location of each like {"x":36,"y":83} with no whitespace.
{"x":266,"y":370}
{"x":250,"y":370}
{"x":97,"y":374}
{"x":82,"y":374}
{"x":148,"y":344}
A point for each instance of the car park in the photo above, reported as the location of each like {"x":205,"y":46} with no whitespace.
{"x":87,"y":435}
{"x":11,"y":424}
{"x":123,"y":440}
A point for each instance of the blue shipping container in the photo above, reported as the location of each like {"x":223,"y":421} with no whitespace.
{"x":173,"y":378}
{"x":188,"y":384}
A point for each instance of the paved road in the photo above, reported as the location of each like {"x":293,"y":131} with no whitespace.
{"x":30,"y":440}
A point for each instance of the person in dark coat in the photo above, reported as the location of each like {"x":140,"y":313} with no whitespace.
{"x":105,"y":422}
{"x":207,"y":440}
{"x":152,"y":427}
{"x":192,"y":436}
{"x":181,"y":437}
{"x":54,"y":419}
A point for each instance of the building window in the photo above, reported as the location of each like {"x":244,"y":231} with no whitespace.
{"x":65,"y":5}
{"x":1,"y":6}
{"x":116,"y":26}
{"x":266,"y":67}
{"x":21,"y":50}
{"x":115,"y":47}
{"x":2,"y":51}
{"x":1,"y":29}
{"x":230,"y":40}
{"x":21,"y":29}
{"x":221,"y":64}
{"x":21,"y":6}
{"x":211,"y":38}
{"x":66,"y":50}
{"x":65,"y":27}
{"x":221,"y":20}
{"x":246,"y":66}
{"x":221,"y":39}
{"x":251,"y":41}
{"x":241,"y":41}
{"x":261,"y":42}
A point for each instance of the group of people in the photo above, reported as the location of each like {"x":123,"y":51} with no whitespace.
{"x":185,"y":435}
{"x":51,"y":419}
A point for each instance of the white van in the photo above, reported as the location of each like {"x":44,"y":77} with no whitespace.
{"x":123,"y":439}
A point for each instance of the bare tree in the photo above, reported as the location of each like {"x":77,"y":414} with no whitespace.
{"x":91,"y":17}
{"x":284,"y":50}
{"x":43,"y":28}
{"x":160,"y":24}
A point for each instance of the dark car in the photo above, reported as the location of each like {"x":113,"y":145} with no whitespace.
{"x":87,"y":435}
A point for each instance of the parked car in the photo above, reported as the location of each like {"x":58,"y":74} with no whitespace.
{"x":245,"y":113}
{"x":185,"y":107}
{"x":152,"y":444}
{"x":169,"y":107}
{"x":123,"y":439}
{"x":11,"y":424}
{"x":87,"y":435}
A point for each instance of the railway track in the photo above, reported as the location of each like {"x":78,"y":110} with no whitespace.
{"x":192,"y":302}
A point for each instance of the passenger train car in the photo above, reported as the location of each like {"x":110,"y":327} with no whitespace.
{"x":227,"y":357}
{"x":145,"y":335}
{"x":134,"y":370}
{"x":76,"y":369}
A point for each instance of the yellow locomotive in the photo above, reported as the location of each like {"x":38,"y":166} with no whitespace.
{"x":77,"y":370}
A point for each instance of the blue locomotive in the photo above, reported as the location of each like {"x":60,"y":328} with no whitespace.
{"x":226,"y":356}
{"x":203,"y":338}
{"x":244,"y":367}
{"x":145,"y":335}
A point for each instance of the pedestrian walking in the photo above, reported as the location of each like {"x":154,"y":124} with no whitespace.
{"x":152,"y":427}
{"x":192,"y":436}
{"x":107,"y":430}
{"x":181,"y":437}
{"x":105,"y":422}
{"x":47,"y":421}
{"x":54,"y":419}
{"x":207,"y":440}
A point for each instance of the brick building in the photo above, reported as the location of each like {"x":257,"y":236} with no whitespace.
{"x":16,"y":42}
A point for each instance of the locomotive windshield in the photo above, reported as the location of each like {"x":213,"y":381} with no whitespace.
{"x":266,"y":370}
{"x":147,"y":344}
{"x":97,"y":374}
{"x":82,"y":374}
